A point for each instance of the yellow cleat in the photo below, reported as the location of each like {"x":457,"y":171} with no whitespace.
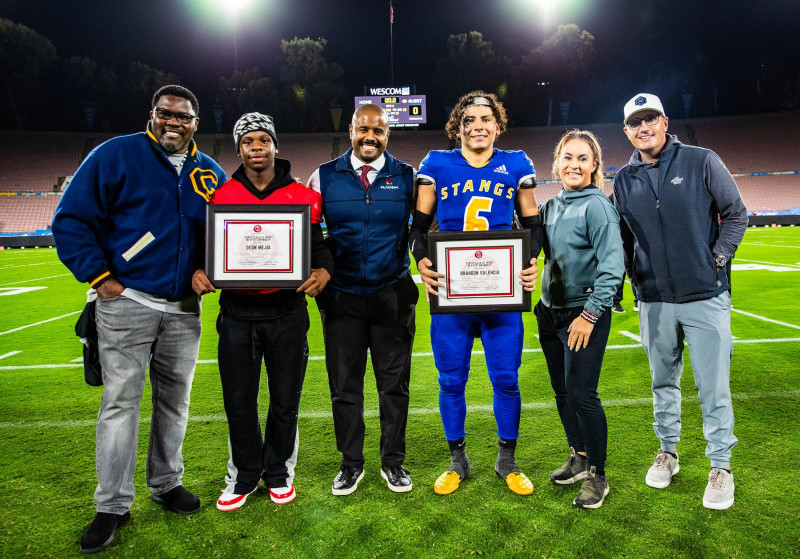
{"x":519,"y":483}
{"x":448,"y":482}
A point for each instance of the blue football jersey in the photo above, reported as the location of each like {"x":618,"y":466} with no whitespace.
{"x":476,"y":198}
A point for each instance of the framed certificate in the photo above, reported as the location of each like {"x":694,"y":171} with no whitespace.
{"x":258,"y":245}
{"x":480,"y":271}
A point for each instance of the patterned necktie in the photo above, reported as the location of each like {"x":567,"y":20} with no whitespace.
{"x":364,"y":179}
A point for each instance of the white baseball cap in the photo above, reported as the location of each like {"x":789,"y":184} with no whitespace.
{"x":642,"y":102}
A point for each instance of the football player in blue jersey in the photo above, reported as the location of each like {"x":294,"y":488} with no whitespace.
{"x":477,"y":188}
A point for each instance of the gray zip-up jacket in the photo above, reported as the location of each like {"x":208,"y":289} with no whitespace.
{"x":672,"y":230}
{"x":583,"y":250}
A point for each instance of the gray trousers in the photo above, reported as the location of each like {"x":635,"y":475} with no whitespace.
{"x":130,"y":335}
{"x":706,"y":327}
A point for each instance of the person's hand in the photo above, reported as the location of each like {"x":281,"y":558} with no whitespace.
{"x":314,"y":285}
{"x":429,"y":278}
{"x":201,"y":284}
{"x":109,"y":288}
{"x":529,"y":276}
{"x":579,"y":332}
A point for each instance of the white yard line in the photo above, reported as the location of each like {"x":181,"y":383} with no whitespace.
{"x":42,"y":322}
{"x":765,"y":319}
{"x":768,"y":245}
{"x":763,"y":263}
{"x":24,"y":265}
{"x":9,"y":354}
{"x":549,"y":404}
{"x":418,"y":354}
{"x":35,"y":279}
{"x":631,"y":335}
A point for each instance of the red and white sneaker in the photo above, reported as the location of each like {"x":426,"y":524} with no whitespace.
{"x":231,"y":501}
{"x":282,"y":495}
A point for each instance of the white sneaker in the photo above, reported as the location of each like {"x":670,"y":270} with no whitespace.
{"x":660,"y":473}
{"x":719,"y":491}
{"x":282,"y":495}
{"x":231,"y":501}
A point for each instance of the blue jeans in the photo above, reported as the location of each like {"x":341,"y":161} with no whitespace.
{"x":706,"y":326}
{"x":129,"y":336}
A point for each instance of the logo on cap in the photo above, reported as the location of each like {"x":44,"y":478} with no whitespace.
{"x":640,"y":101}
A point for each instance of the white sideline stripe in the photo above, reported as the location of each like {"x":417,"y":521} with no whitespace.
{"x":631,"y":335}
{"x":765,"y":319}
{"x":42,"y":322}
{"x":36,"y":279}
{"x":9,"y":354}
{"x":220,"y":418}
{"x":417,"y":354}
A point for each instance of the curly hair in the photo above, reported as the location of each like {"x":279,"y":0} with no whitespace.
{"x":453,"y":126}
{"x":594,"y":145}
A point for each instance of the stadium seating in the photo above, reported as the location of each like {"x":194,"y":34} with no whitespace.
{"x":34,"y":161}
{"x":25,"y":214}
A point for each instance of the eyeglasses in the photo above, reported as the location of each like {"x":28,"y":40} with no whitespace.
{"x":650,"y":120}
{"x":164,"y":114}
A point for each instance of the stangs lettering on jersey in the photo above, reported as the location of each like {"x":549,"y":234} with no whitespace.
{"x":485,"y":186}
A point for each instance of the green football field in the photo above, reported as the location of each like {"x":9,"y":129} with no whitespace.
{"x":47,"y":416}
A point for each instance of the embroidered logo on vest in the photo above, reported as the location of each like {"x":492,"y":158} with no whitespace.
{"x":677,"y":180}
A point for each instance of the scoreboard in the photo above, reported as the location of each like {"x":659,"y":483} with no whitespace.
{"x":403,"y":110}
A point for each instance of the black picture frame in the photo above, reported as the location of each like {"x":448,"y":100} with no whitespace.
{"x":288,"y":224}
{"x":473,"y":290}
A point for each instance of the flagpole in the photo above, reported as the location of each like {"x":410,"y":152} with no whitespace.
{"x":391,"y":40}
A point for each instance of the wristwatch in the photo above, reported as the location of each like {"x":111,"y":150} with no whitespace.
{"x":720,"y":260}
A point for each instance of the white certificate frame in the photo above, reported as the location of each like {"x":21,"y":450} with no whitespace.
{"x":266,"y":246}
{"x":481,"y":271}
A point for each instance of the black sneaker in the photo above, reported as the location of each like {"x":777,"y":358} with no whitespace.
{"x":617,"y":308}
{"x":635,"y":304}
{"x":593,"y":491}
{"x":397,"y":478}
{"x":100,"y":532}
{"x":346,"y":481}
{"x":178,"y":499}
{"x":574,"y":469}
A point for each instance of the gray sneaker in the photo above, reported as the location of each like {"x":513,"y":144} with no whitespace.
{"x":719,"y":491}
{"x":574,"y":469}
{"x":660,"y":473}
{"x":593,"y":491}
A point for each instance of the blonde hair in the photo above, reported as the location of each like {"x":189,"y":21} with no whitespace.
{"x":594,"y":145}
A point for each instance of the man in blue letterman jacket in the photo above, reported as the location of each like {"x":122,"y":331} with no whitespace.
{"x":369,"y":303}
{"x":670,"y":197}
{"x":131,"y":224}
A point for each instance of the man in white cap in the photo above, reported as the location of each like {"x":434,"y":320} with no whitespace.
{"x":671,"y":197}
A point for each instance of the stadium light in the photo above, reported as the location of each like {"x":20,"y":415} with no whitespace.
{"x":234,"y":9}
{"x":546,"y":8}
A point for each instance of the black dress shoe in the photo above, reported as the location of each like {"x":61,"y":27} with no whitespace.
{"x":100,"y":532}
{"x":179,"y":500}
{"x":397,"y":478}
{"x":347,"y":480}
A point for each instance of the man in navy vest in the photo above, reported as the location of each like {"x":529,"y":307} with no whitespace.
{"x":669,"y":197}
{"x":369,"y":302}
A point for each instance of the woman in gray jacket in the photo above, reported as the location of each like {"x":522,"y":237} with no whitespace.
{"x":582,"y":271}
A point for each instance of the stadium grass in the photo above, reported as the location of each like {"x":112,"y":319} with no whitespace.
{"x":47,"y":446}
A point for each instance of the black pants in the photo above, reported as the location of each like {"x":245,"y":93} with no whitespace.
{"x":281,"y":341}
{"x":383,"y":323}
{"x":574,"y":376}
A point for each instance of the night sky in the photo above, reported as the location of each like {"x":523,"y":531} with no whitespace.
{"x":195,"y":39}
